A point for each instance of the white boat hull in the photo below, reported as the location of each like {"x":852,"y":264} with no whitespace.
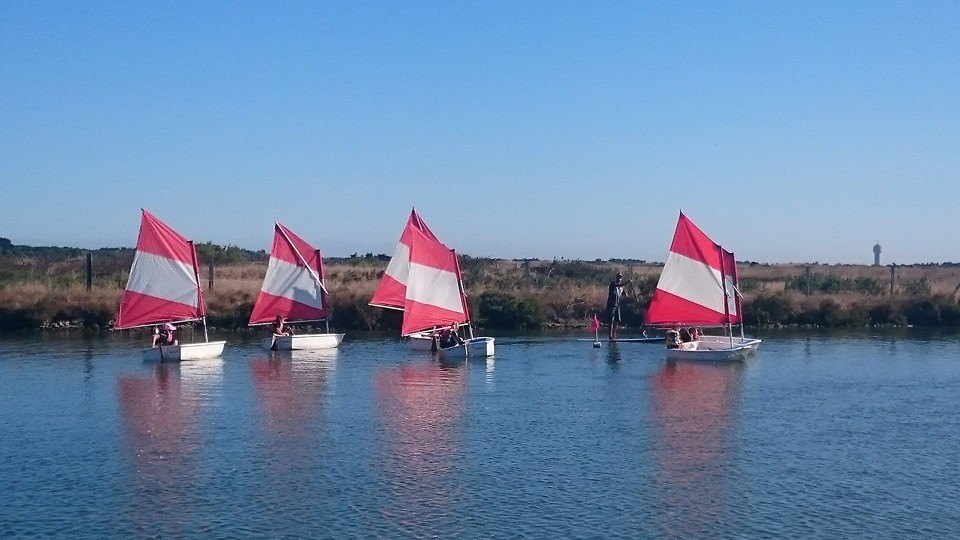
{"x":715,"y":349}
{"x":302,"y":342}
{"x":479,"y":347}
{"x":421,"y":341}
{"x":187,"y":351}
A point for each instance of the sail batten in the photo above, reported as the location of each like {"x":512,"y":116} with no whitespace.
{"x":292,"y":286}
{"x":163,"y":285}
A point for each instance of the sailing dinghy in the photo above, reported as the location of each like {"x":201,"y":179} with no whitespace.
{"x":164,"y":287}
{"x":698,"y":287}
{"x":293,"y":288}
{"x":423,"y":279}
{"x":391,"y":293}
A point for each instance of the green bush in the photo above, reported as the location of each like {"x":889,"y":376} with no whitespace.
{"x":769,"y":310}
{"x":501,"y":310}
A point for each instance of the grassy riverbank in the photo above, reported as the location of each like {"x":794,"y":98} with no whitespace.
{"x":43,"y":291}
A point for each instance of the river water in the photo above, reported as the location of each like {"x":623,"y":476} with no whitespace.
{"x":817,"y":436}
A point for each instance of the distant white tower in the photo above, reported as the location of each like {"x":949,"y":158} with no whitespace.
{"x":876,"y":255}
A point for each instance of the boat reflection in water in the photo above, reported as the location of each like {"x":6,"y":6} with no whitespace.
{"x":289,"y":387}
{"x":694,"y":410}
{"x":160,"y":418}
{"x":420,"y":407}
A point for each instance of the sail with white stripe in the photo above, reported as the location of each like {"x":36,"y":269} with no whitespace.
{"x":698,"y":284}
{"x":391,"y":292}
{"x":434,"y":295}
{"x":163,"y":285}
{"x":293,"y":286}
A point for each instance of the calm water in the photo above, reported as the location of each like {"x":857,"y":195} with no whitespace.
{"x":816,"y":437}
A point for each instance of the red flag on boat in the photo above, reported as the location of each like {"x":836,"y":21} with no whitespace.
{"x":595,"y":325}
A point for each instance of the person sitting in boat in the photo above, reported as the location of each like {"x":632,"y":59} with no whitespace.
{"x":696,"y":333}
{"x":165,"y":338}
{"x":673,"y":339}
{"x":280,"y":327}
{"x":450,"y":337}
{"x":685,"y":336}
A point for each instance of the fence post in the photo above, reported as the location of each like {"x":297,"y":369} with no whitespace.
{"x":806,"y":279}
{"x":210,"y":274}
{"x":89,"y":271}
{"x":893,"y":273}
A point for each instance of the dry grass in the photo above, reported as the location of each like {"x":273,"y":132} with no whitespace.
{"x":569,"y":291}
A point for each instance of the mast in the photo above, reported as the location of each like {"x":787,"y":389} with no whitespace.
{"x":323,"y":295}
{"x":463,"y":294}
{"x":723,"y":287}
{"x":738,"y":298}
{"x":196,"y":273}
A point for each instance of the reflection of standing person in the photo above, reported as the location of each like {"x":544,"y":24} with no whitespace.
{"x":614,"y":293}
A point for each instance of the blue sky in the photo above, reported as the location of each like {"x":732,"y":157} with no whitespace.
{"x":788,"y":131}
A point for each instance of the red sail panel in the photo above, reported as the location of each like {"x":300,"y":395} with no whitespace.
{"x":433,"y":293}
{"x":162,"y":286}
{"x":291,"y":287}
{"x":693,"y":282}
{"x":159,"y":239}
{"x":391,"y":293}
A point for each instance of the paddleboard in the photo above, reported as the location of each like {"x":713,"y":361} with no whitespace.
{"x":627,"y":340}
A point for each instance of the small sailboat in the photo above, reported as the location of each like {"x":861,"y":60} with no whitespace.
{"x":427,"y":275}
{"x":293,"y":288}
{"x":164,"y":288}
{"x":698,"y":287}
{"x":391,"y":293}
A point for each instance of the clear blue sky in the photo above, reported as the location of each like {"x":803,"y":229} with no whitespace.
{"x":789,"y":131}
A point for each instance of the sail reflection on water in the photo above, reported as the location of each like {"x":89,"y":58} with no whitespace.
{"x":694,"y":413}
{"x":289,"y":388}
{"x":420,"y":408}
{"x":160,"y":419}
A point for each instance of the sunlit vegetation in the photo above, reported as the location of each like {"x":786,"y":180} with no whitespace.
{"x":42,"y":287}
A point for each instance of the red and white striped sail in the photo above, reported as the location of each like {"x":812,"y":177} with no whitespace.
{"x":698,"y":282}
{"x":391,"y":293}
{"x":163,"y":284}
{"x":434,"y":296}
{"x":292,"y":287}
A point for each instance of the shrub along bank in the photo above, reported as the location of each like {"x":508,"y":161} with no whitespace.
{"x":513,"y":295}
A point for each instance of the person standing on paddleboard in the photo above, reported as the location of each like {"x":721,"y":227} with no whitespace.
{"x":614,"y":293}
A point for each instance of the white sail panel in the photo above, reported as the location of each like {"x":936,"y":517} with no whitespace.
{"x":434,"y":287}
{"x":292,"y":281}
{"x":162,"y":277}
{"x":399,"y":266}
{"x":691,"y":280}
